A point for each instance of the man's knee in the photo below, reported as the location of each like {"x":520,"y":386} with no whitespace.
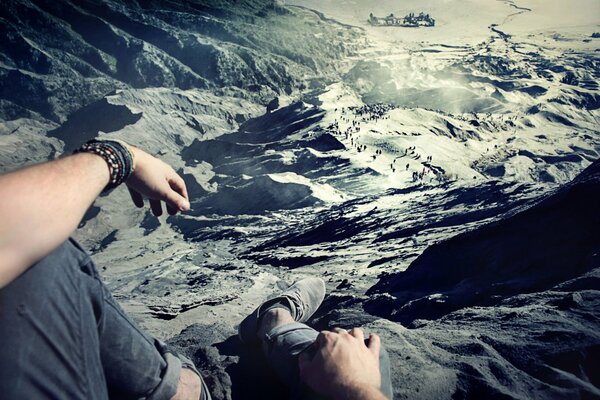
{"x":57,"y":281}
{"x":46,"y":325}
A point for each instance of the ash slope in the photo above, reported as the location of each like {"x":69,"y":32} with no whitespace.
{"x":57,"y":56}
{"x":525,"y":253}
{"x":508,"y":310}
{"x":535,"y":274}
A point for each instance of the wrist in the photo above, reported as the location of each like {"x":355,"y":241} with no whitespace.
{"x":118,"y":157}
{"x":133,"y":152}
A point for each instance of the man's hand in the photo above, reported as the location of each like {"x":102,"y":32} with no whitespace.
{"x":42,"y":205}
{"x":343,"y":367}
{"x":157,"y":181}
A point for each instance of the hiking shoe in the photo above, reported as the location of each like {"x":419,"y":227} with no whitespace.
{"x":302,"y":299}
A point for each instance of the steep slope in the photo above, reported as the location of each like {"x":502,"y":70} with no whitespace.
{"x":527,"y":292}
{"x":553,"y":241}
{"x":515,"y":318}
{"x":57,"y":56}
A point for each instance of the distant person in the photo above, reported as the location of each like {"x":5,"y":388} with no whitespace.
{"x":62,"y":334}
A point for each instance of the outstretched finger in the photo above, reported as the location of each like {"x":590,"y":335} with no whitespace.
{"x":178,"y":184}
{"x":176,"y":201}
{"x":137,"y":198}
{"x":374,"y":344}
{"x":358,"y":333}
{"x":156,"y":207}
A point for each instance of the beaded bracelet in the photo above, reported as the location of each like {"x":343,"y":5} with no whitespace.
{"x":119,"y":159}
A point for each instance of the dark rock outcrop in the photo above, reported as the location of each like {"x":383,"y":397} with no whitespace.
{"x":549,"y":243}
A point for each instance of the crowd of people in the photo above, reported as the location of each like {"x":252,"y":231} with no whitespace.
{"x":348,"y":126}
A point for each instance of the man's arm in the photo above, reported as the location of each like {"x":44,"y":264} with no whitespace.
{"x":40,"y":206}
{"x":343,"y":368}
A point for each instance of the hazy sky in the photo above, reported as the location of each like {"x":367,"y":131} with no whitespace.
{"x":465,"y":20}
{"x":560,"y":11}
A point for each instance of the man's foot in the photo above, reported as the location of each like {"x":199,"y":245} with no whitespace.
{"x":301,"y":299}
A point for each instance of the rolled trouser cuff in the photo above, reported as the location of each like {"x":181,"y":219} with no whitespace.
{"x":167,"y":388}
{"x":294,"y":337}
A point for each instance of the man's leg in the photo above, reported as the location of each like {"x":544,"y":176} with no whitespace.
{"x":49,"y":345}
{"x":135,"y":364}
{"x":284,"y":339}
{"x":277,"y":326}
{"x":63,"y":336}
